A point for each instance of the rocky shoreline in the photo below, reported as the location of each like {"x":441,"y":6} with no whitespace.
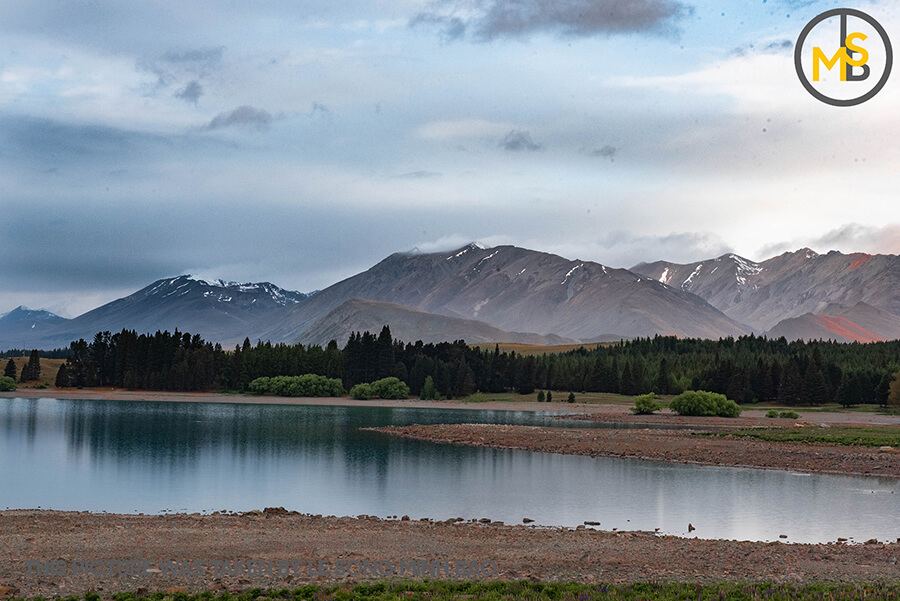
{"x":277,"y":548}
{"x":678,"y":446}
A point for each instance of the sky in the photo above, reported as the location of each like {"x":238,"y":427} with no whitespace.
{"x":302,"y":142}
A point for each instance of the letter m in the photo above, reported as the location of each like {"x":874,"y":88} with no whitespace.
{"x":819,"y":55}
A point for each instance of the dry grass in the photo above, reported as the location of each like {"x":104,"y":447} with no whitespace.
{"x":49,"y":368}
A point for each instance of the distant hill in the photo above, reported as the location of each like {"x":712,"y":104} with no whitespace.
{"x":411,"y":325}
{"x":860,"y":323}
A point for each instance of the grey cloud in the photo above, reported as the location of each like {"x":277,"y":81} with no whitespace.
{"x":45,"y":144}
{"x":420,"y":175}
{"x":191,"y":92}
{"x":319,"y":109}
{"x":518,"y":140}
{"x":202,"y":56}
{"x":848,"y":238}
{"x":493,"y":19}
{"x":854,"y":237}
{"x":772,"y":47}
{"x":242,"y":116}
{"x":623,"y":248}
{"x":607,"y":152}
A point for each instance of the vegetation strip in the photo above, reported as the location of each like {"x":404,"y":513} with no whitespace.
{"x":873,"y":436}
{"x":526,"y":591}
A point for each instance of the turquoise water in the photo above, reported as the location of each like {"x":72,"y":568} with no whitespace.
{"x":147,"y":457}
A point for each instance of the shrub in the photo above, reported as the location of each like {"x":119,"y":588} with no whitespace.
{"x":362,"y":392}
{"x":307,"y":385}
{"x":789,"y":414}
{"x":571,"y":398}
{"x":390,"y":388}
{"x":702,"y":403}
{"x":7,"y":384}
{"x":540,"y":396}
{"x":646,"y":404}
{"x":477,"y":397}
{"x":771,"y":413}
{"x":549,"y":397}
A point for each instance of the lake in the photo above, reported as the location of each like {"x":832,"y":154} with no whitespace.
{"x":158,"y":457}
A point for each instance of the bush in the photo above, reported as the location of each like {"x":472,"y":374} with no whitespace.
{"x":390,"y":388}
{"x":362,"y":392}
{"x":7,"y":384}
{"x":571,"y":398}
{"x":771,"y":413}
{"x":477,"y":397}
{"x":789,"y":414}
{"x":540,"y":396}
{"x":701,"y":403}
{"x":549,"y":397}
{"x":386,"y":388}
{"x":307,"y":385}
{"x":646,"y":404}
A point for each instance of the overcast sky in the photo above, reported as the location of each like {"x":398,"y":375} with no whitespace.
{"x":301,"y":142}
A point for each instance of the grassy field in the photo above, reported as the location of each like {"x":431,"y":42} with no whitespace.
{"x":49,"y":367}
{"x":867,"y":436}
{"x":533,"y":591}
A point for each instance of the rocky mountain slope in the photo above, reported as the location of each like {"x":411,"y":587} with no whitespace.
{"x":788,"y":286}
{"x":410,"y":325}
{"x":521,"y":290}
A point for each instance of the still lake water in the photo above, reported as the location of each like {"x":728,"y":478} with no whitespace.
{"x":149,"y":457}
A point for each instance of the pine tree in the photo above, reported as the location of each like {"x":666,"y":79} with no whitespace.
{"x":62,"y":377}
{"x":11,"y":371}
{"x":894,"y":394}
{"x":32,"y":370}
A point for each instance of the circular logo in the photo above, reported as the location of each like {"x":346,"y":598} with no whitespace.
{"x":843,"y":61}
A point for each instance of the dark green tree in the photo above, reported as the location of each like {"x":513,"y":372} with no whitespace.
{"x":62,"y":377}
{"x":11,"y":371}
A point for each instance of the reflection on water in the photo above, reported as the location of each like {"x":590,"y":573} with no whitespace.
{"x":150,"y":457}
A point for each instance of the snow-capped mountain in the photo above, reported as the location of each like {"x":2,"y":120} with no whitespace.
{"x":219,"y":311}
{"x":789,"y":286}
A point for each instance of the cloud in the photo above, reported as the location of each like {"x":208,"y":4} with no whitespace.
{"x":419,"y":175}
{"x":191,"y":92}
{"x":242,"y":116}
{"x":487,"y":20}
{"x":518,"y":140}
{"x":862,"y":238}
{"x":199,"y":56}
{"x":607,"y":152}
{"x":319,"y":109}
{"x":778,"y":46}
{"x":465,"y":128}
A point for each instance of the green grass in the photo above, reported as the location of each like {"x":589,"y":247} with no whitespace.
{"x":445,"y":590}
{"x":827,"y":408}
{"x":867,"y":436}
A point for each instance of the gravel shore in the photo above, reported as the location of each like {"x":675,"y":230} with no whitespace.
{"x":679,"y":446}
{"x":230,"y":551}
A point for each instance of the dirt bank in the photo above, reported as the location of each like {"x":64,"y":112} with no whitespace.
{"x":665,"y":445}
{"x":215,"y":542}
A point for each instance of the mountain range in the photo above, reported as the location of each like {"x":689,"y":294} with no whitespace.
{"x":511,"y":294}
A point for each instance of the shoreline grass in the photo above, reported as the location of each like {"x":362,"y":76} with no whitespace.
{"x":865,"y":436}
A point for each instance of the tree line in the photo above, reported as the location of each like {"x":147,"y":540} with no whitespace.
{"x":746,"y":369}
